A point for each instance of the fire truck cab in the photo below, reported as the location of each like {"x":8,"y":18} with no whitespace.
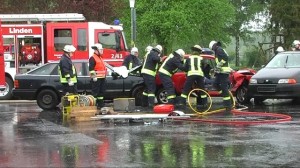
{"x":35,"y":39}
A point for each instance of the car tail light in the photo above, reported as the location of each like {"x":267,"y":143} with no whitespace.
{"x":16,"y":83}
{"x":288,"y":81}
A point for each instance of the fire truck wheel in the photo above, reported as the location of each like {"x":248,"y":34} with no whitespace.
{"x":47,"y":99}
{"x":6,"y":94}
{"x":137,"y":93}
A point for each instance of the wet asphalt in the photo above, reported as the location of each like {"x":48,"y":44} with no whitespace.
{"x":31,"y":137}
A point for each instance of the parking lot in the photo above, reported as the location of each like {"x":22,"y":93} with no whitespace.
{"x":31,"y":137}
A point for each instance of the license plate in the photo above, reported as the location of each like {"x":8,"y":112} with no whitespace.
{"x":266,"y":89}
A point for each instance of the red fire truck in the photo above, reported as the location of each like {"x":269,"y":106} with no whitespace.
{"x":35,"y":39}
{"x":2,"y":76}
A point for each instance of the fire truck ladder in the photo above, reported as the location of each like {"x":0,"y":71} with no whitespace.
{"x":42,"y":17}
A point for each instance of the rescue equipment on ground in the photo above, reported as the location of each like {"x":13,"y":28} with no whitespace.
{"x":78,"y":107}
{"x":163,"y":108}
{"x":124,"y":104}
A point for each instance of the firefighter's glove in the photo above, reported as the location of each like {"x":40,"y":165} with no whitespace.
{"x":94,"y":79}
{"x":219,"y":64}
{"x":93,"y":75}
{"x":218,"y":70}
{"x":70,"y":83}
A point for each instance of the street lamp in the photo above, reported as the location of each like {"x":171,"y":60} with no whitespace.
{"x":133,"y":22}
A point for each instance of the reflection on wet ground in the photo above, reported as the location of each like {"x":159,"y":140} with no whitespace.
{"x":31,"y":137}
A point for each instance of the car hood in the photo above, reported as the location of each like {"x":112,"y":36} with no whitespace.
{"x":274,"y":74}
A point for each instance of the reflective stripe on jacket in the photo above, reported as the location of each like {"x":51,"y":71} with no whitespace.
{"x":171,"y":65}
{"x":222,"y":57}
{"x":195,"y":65}
{"x":66,"y":70}
{"x":163,"y":70}
{"x":225,"y":69}
{"x":150,"y":64}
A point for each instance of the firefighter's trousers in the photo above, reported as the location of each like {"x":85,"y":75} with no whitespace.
{"x":222,"y":84}
{"x":98,"y":89}
{"x":150,"y":88}
{"x":168,"y":86}
{"x":69,"y":89}
{"x":199,"y":83}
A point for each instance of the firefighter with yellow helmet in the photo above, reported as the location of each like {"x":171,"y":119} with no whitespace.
{"x":222,"y":72}
{"x":172,"y":63}
{"x":67,"y":71}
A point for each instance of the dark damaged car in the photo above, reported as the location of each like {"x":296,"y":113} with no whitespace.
{"x":279,"y":79}
{"x":43,"y":84}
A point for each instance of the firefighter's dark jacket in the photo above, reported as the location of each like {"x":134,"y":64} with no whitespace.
{"x":172,"y":64}
{"x":150,"y":64}
{"x":66,"y":67}
{"x":131,"y":61}
{"x":221,"y":55}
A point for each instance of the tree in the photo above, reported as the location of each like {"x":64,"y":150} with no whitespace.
{"x":245,"y":11}
{"x":180,"y":23}
{"x":285,"y":19}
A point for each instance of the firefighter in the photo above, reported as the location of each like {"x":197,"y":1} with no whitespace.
{"x":194,"y":76}
{"x":97,"y":71}
{"x":132,"y":60}
{"x":222,"y":72}
{"x":149,"y":69}
{"x":67,"y":71}
{"x":172,"y":63}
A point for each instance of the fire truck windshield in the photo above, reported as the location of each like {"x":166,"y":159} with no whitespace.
{"x":108,"y":40}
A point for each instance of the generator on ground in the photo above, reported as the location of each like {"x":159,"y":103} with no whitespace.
{"x":78,"y":107}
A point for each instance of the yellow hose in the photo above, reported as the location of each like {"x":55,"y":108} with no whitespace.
{"x":207,"y":112}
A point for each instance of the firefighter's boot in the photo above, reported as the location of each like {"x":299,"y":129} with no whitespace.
{"x":180,"y":103}
{"x":228,"y":107}
{"x":201,"y":103}
{"x":100,"y":103}
{"x":171,"y":101}
{"x":151,"y":101}
{"x":145,"y":101}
